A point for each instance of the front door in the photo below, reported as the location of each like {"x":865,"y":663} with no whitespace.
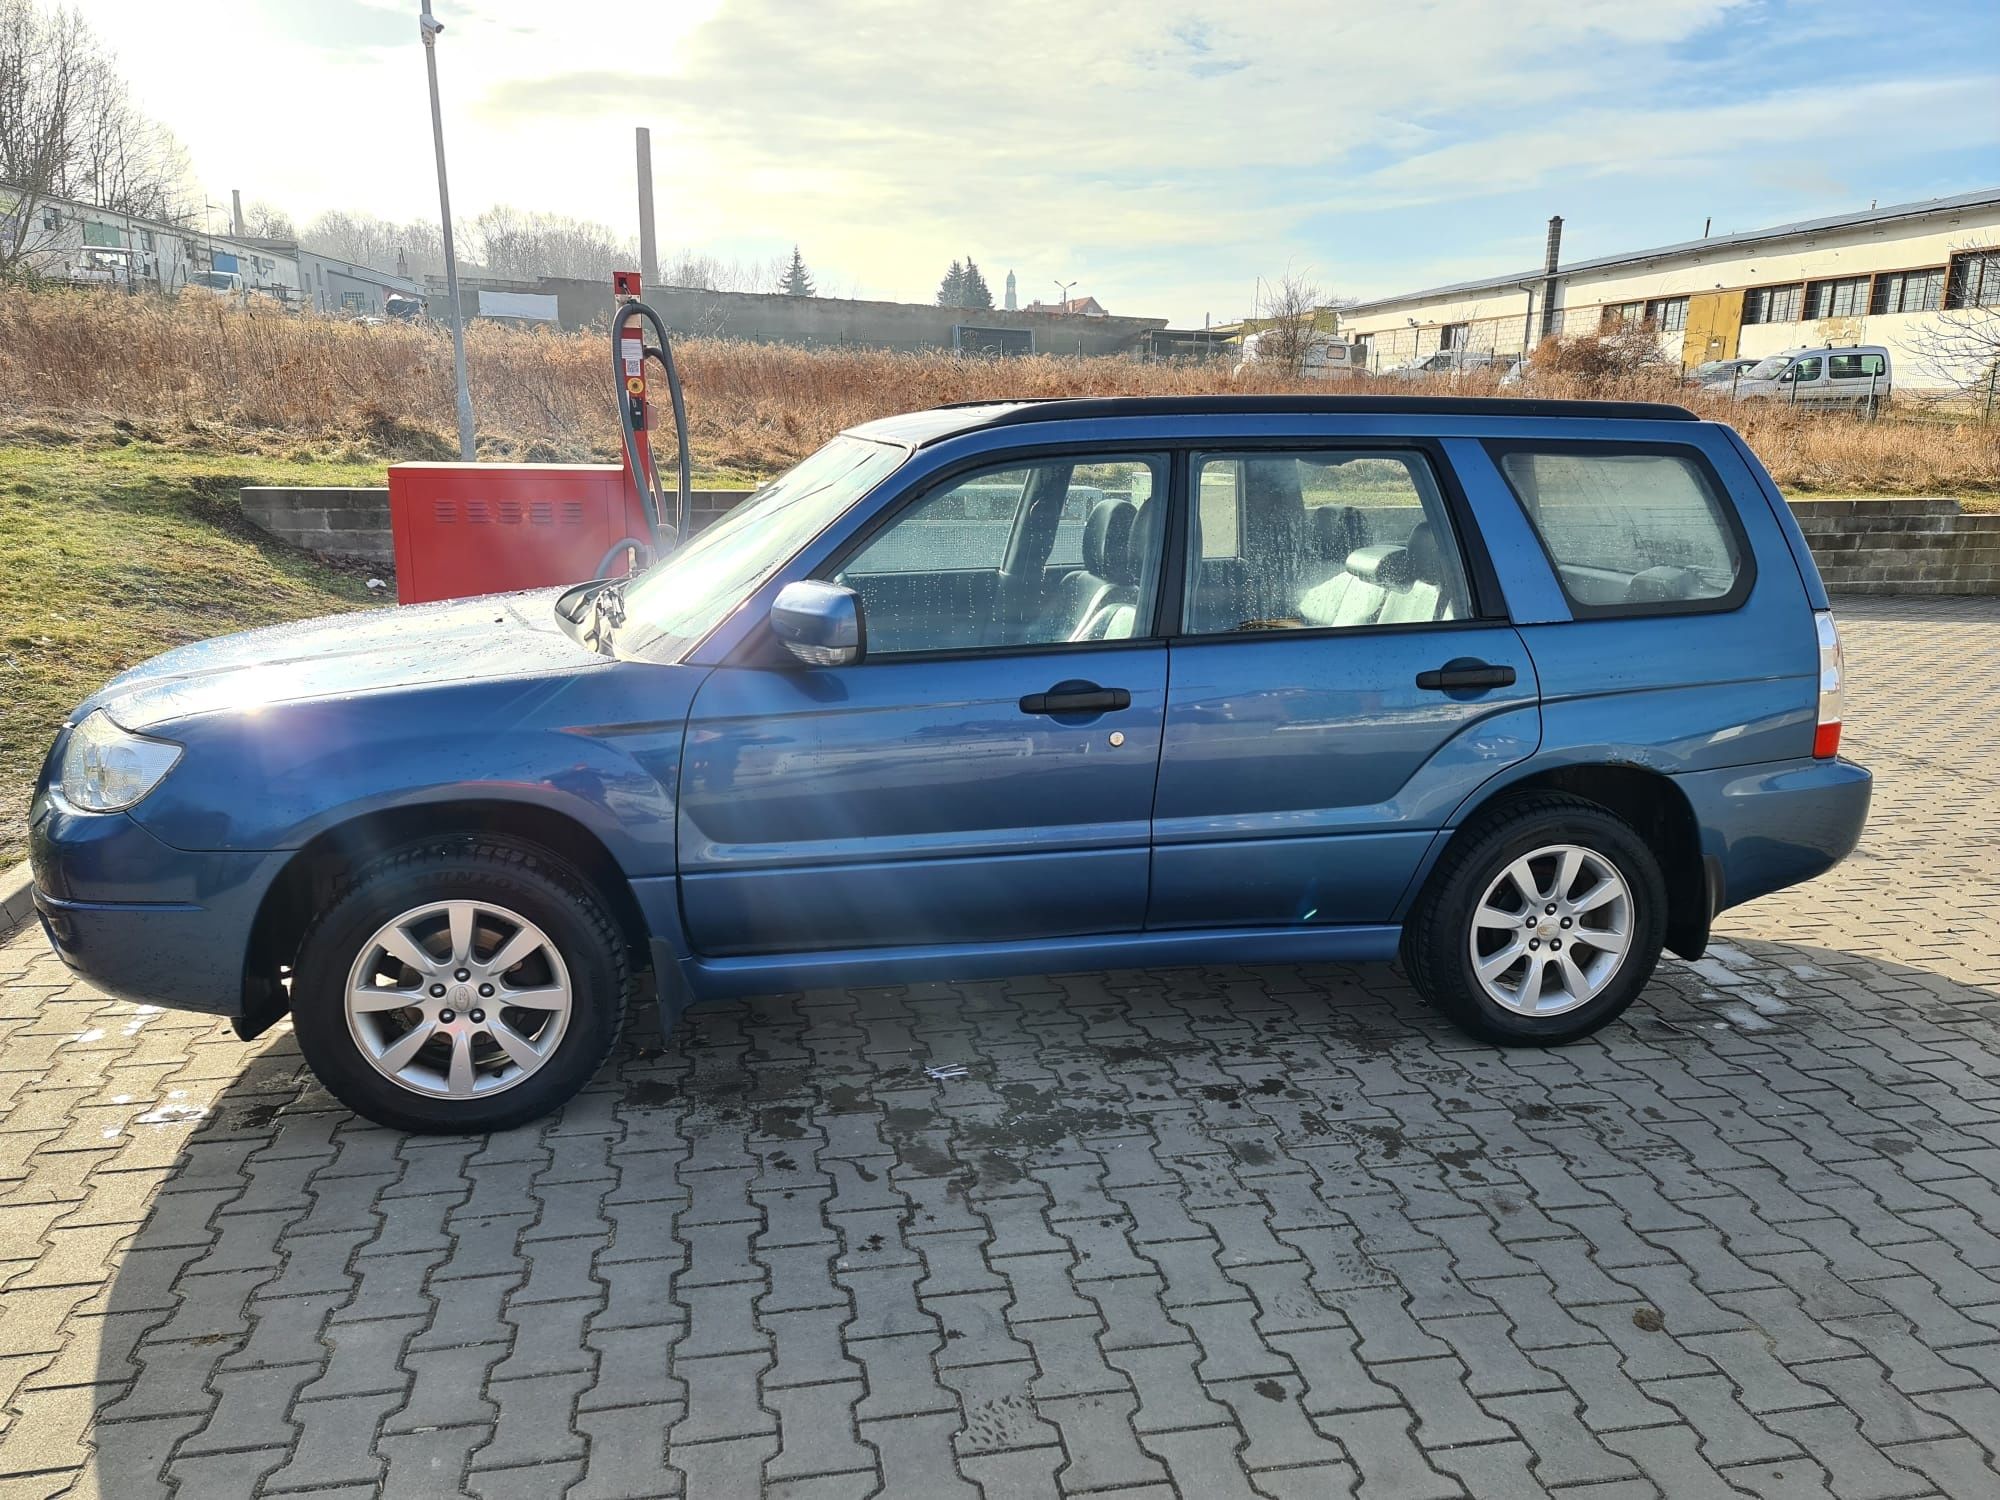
{"x":985,"y":774}
{"x":1334,"y":693}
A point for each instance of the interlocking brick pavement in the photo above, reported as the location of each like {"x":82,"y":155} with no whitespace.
{"x":1209,"y":1233}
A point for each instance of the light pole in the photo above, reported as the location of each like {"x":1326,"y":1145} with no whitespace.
{"x":429,"y":26}
{"x":1062,"y":302}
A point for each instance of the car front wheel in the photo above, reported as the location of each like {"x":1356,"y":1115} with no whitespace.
{"x":1543,"y":922}
{"x":464,"y":987}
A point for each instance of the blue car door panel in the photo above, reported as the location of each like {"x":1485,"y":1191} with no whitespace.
{"x":1303,"y":777}
{"x":911,"y":802}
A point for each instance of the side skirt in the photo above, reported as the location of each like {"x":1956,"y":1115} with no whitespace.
{"x":721,"y":978}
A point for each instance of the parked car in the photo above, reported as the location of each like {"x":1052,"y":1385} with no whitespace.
{"x":1718,"y":371}
{"x":1443,"y":364}
{"x":1850,"y":375}
{"x":1521,"y":690}
{"x":1325,"y":357}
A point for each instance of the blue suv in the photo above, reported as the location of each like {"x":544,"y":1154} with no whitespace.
{"x":1523,"y":691}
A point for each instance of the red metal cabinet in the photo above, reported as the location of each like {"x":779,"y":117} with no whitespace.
{"x":463,"y":529}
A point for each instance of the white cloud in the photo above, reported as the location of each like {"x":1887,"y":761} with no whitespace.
{"x":1165,"y":151}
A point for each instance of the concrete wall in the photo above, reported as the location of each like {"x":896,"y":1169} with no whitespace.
{"x":1901,"y":546}
{"x":345,"y":522}
{"x":816,"y":321}
{"x":1498,"y":315}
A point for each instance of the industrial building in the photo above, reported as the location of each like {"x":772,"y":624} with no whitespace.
{"x":84,"y":245}
{"x":1889,"y":276}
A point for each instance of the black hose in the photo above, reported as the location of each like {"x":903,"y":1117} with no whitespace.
{"x":667,"y":534}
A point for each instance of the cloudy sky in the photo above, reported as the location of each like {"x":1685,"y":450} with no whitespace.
{"x":1163,"y":155}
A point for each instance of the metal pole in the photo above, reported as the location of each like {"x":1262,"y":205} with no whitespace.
{"x":649,"y":258}
{"x":429,"y":26}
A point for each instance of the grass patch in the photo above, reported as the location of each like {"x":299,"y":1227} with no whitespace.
{"x":109,"y":555}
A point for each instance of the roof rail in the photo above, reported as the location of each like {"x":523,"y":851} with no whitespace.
{"x":1008,"y":413}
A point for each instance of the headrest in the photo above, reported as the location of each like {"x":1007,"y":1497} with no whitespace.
{"x":1131,"y":562}
{"x":1661,"y":583}
{"x":1426,"y":561}
{"x":1385,"y":565}
{"x":1336,"y":531}
{"x":1107,"y":536}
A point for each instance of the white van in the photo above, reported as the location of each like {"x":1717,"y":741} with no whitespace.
{"x":1327,"y":357}
{"x":1844,"y":375}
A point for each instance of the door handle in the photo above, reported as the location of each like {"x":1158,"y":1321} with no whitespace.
{"x":1076,"y":698}
{"x":1465,"y":672}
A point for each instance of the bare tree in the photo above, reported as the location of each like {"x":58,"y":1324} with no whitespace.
{"x":1958,"y":346}
{"x":266,"y":221}
{"x":1289,"y":316}
{"x":711,"y":274}
{"x":530,"y":245}
{"x":69,"y":130}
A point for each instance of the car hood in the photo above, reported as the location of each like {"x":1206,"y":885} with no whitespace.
{"x":500,"y":635}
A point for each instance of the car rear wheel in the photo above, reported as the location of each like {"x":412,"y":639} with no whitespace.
{"x":1543,"y":922}
{"x":463,"y":987}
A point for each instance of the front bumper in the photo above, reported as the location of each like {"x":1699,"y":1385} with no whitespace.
{"x":1766,"y":827}
{"x":142,"y":920}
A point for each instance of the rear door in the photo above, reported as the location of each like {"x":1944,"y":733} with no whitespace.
{"x":1338,"y":685}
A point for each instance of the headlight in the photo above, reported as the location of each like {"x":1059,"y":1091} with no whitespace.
{"x":105,"y":768}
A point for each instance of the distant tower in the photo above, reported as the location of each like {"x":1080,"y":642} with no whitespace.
{"x":1012,"y":305}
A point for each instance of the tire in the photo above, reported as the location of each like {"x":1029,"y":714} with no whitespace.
{"x":1534,"y":835}
{"x":482,"y":1063}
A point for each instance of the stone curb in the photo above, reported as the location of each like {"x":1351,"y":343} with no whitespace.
{"x":17,"y":900}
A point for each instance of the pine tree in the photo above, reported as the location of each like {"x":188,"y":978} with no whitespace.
{"x":951,"y":291}
{"x":797,"y":281}
{"x":976,"y":292}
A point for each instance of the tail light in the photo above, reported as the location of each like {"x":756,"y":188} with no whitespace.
{"x":1832,"y":687}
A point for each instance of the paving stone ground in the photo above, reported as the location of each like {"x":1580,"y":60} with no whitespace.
{"x":1196,"y":1233}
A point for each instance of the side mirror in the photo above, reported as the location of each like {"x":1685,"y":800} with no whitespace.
{"x":820,"y":623}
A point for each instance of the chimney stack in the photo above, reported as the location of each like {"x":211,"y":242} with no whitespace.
{"x":1550,"y":258}
{"x":649,"y":254}
{"x":236,"y":212}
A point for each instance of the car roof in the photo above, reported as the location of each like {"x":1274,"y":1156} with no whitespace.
{"x":921,"y":428}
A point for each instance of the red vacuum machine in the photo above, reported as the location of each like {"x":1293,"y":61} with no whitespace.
{"x":463,"y":529}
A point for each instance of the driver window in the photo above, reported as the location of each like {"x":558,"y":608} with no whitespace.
{"x":1058,"y":551}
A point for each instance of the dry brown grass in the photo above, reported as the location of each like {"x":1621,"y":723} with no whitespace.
{"x":206,"y":374}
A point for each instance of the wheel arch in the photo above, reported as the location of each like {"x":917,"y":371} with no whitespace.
{"x":1648,"y":800}
{"x":313,"y":874}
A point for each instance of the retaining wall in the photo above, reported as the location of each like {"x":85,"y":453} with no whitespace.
{"x":1902,"y":546}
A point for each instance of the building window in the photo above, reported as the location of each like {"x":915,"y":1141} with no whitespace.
{"x":1845,"y":298}
{"x":1974,"y":280}
{"x":1617,"y":315}
{"x":1668,"y":314}
{"x":1908,"y":291}
{"x":1772,"y":304}
{"x":51,"y":218}
{"x":1452,"y":336}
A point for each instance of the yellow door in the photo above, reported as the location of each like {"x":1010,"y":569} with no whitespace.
{"x":1714,"y":322}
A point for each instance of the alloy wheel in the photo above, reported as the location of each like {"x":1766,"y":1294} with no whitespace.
{"x":1551,"y":930}
{"x":458,"y":999}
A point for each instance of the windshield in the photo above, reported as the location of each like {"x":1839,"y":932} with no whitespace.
{"x":1768,"y":369}
{"x":220,"y":280}
{"x":678,"y":601}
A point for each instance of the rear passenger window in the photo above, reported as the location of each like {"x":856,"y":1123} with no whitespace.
{"x":1316,"y":540}
{"x":1630,"y":532}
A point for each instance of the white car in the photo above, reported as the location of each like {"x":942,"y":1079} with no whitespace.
{"x":1851,"y":375}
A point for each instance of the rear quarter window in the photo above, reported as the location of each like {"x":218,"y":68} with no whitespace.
{"x":1631,"y":531}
